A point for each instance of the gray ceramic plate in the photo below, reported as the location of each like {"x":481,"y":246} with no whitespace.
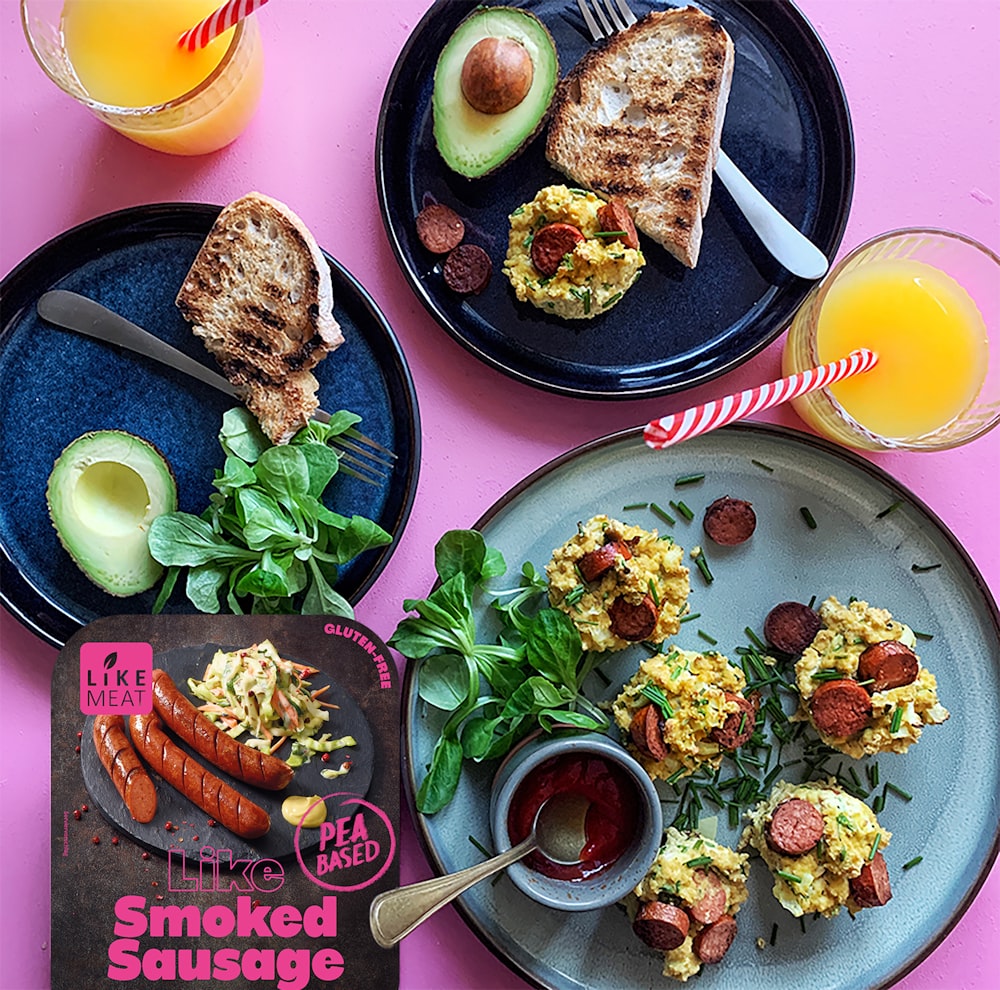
{"x":953,"y":772}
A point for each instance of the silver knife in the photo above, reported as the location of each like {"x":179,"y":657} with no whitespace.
{"x":75,"y":312}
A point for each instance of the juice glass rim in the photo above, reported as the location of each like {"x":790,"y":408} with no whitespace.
{"x":110,"y":108}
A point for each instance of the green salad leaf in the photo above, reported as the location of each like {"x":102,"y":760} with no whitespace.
{"x":528,"y":677}
{"x":266,"y":543}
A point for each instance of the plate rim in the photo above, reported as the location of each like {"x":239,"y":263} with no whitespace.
{"x":38,"y":612}
{"x":839,"y":108}
{"x":787,"y":434}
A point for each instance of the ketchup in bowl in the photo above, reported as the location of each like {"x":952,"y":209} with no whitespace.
{"x":612,"y":818}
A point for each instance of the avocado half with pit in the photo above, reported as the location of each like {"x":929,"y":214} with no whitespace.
{"x":484,"y":60}
{"x":104,"y":491}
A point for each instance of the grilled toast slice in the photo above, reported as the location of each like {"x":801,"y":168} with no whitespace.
{"x":640,"y":117}
{"x":259,"y":295}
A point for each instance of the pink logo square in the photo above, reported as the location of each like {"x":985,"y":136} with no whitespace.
{"x":116,"y":678}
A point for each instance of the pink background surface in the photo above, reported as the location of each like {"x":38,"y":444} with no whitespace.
{"x":920,"y":80}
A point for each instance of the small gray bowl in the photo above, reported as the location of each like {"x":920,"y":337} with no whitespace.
{"x":616,"y":880}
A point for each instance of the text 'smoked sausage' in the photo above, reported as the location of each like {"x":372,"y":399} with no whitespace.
{"x":208,"y":740}
{"x":201,"y":787}
{"x":120,"y":759}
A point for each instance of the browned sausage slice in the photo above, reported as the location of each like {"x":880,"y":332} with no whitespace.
{"x":841,"y":708}
{"x":738,"y":727}
{"x":596,"y":563}
{"x":439,"y":228}
{"x":634,"y":622}
{"x":208,"y":740}
{"x":216,"y":798}
{"x":730,"y":521}
{"x":711,"y":903}
{"x":795,"y":827}
{"x":889,"y":664}
{"x":791,"y":626}
{"x":646,"y":730}
{"x":661,"y":926}
{"x":122,"y":762}
{"x":467,"y":269}
{"x":551,"y":244}
{"x":712,"y":942}
{"x":614,"y":215}
{"x":870,"y":888}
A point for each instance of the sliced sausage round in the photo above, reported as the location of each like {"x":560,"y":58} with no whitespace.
{"x":713,"y":941}
{"x":738,"y":727}
{"x":841,"y":708}
{"x":467,"y":269}
{"x":661,"y":926}
{"x":795,"y":828}
{"x":730,"y":521}
{"x":870,"y":888}
{"x":711,"y":903}
{"x":614,"y":215}
{"x":439,"y":228}
{"x":889,"y":664}
{"x":596,"y":563}
{"x":791,"y":626}
{"x":634,"y":622}
{"x":551,"y":244}
{"x":646,"y":730}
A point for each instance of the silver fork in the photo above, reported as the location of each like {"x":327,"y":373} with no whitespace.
{"x":788,"y":245}
{"x":360,"y":456}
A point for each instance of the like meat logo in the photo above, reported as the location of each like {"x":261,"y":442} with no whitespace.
{"x":116,"y":678}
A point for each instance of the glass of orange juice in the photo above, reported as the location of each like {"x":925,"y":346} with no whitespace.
{"x":928,"y":303}
{"x":120,"y":59}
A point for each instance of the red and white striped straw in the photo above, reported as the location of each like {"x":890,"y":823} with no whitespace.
{"x":668,"y":430}
{"x":218,"y":23}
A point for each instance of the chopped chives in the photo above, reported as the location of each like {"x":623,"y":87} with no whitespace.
{"x":604,"y":677}
{"x":683,"y":510}
{"x":790,"y":877}
{"x":654,"y":593}
{"x":734,"y":815}
{"x":690,"y":616}
{"x":802,"y":923}
{"x":762,"y":466}
{"x":897,"y":719}
{"x":892,"y":508}
{"x":480,"y":846}
{"x":634,"y":505}
{"x":774,"y":933}
{"x":662,"y":513}
{"x":924,"y":568}
{"x":875,"y":845}
{"x":923,"y":635}
{"x":658,"y":698}
{"x":879,"y":803}
{"x":708,"y":639}
{"x":812,"y":601}
{"x":688,"y":479}
{"x":808,"y":516}
{"x":913,"y":862}
{"x":703,"y":567}
{"x":609,"y":233}
{"x":872,"y":773}
{"x":828,"y":674}
{"x":899,"y":792}
{"x":699,"y":861}
{"x":755,"y":639}
{"x":575,"y":594}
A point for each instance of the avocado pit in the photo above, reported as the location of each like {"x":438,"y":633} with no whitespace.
{"x":496,"y":75}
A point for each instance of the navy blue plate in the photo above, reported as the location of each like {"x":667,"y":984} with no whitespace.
{"x":56,"y":385}
{"x":787,"y":127}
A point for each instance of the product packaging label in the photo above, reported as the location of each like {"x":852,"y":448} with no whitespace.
{"x":225,"y":803}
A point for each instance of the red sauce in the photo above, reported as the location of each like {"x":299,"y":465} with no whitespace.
{"x":612,"y":818}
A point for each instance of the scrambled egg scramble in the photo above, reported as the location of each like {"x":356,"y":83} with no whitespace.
{"x":695,"y":686}
{"x":592,"y":277}
{"x":819,"y":880}
{"x":848,"y":631}
{"x":679,"y":875}
{"x":653,"y":569}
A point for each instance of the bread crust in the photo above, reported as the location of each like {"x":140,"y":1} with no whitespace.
{"x":640,"y":117}
{"x":260,"y":296}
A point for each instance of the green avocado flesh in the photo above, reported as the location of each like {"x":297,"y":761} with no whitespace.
{"x":474,"y":143}
{"x":104,"y":491}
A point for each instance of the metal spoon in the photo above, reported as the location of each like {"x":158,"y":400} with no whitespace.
{"x":558,"y":834}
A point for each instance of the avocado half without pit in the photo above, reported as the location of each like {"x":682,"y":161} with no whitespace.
{"x":104,"y":491}
{"x":493,"y":84}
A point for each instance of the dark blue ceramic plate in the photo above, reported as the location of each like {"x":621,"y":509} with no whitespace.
{"x":787,"y":127}
{"x":56,"y":385}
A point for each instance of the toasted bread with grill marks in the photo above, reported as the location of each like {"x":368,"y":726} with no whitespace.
{"x":260,"y":296}
{"x":640,"y":117}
